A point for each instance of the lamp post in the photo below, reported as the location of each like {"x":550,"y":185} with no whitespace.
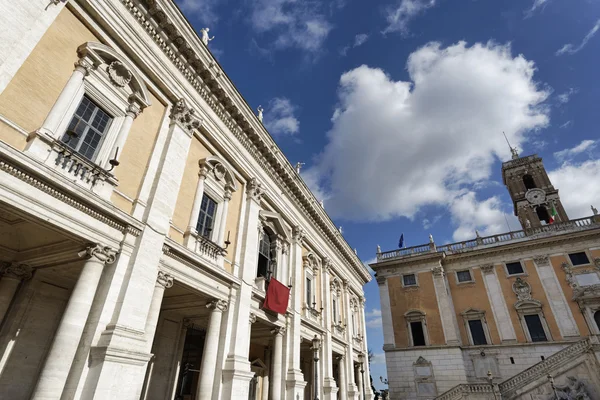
{"x":316,"y":346}
{"x":361,"y":360}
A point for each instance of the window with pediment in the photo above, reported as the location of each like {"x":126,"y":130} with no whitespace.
{"x":416,"y":324}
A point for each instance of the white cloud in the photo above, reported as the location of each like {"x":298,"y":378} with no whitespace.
{"x":577,"y":188}
{"x":572,"y":49}
{"x":204,"y":10}
{"x":373,"y":318}
{"x":428,"y":223}
{"x":488,"y":217}
{"x":399,"y":16}
{"x":279,"y":117}
{"x":564,"y":98}
{"x":567,"y":154}
{"x":378,"y":358}
{"x":359,"y":40}
{"x":566,"y":124}
{"x":293,"y":23}
{"x":537,"y":4}
{"x":397,"y":146}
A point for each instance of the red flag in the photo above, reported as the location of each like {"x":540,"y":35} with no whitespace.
{"x":277,"y":297}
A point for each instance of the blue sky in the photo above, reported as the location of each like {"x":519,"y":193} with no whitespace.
{"x":397,"y":107}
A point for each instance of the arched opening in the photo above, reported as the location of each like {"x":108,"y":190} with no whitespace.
{"x":597,"y":318}
{"x":264,"y":255}
{"x":529,"y":182}
{"x":542,"y":213}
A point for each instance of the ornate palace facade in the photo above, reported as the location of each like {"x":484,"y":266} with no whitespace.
{"x":143,"y":210}
{"x":509,"y":316}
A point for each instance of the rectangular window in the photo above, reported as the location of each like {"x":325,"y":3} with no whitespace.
{"x":579,"y":258}
{"x":535,"y":327}
{"x":477,"y":332}
{"x":418,"y":335}
{"x":334,"y":307}
{"x":206,"y":219}
{"x":308,"y":293}
{"x":354,"y":324}
{"x":87,"y":128}
{"x":464,"y":276}
{"x":514,"y":268}
{"x":409,"y":280}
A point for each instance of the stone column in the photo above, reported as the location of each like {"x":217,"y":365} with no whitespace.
{"x":446,"y":307}
{"x":211,"y":347}
{"x":133,"y":110}
{"x":365,"y":349}
{"x":499,"y":308}
{"x":66,"y":340}
{"x":386,"y":313}
{"x":223,"y":223}
{"x":236,"y":372}
{"x":163,"y":281}
{"x":348,"y":360}
{"x":276,"y":364}
{"x":360,"y":381}
{"x":265,"y":381}
{"x":343,"y":382}
{"x":295,"y":383}
{"x":191,"y":228}
{"x":329,"y":385}
{"x":11,"y":275}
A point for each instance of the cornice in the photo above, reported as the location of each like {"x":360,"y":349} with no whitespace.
{"x":165,"y":25}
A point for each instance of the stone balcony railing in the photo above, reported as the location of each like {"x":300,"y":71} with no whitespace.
{"x":81,"y":170}
{"x":459,"y":391}
{"x":208,"y":249}
{"x":494,"y":240}
{"x":312,"y":312}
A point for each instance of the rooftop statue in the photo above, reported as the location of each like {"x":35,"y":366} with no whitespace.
{"x":205,"y":38}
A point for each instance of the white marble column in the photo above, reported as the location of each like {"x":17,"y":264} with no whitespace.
{"x":202,"y":173}
{"x":66,"y":340}
{"x":224,"y":210}
{"x":276,"y":364}
{"x":386,"y":313}
{"x":446,"y":307}
{"x":133,"y":110}
{"x":343,"y":382}
{"x":11,"y":276}
{"x":499,"y":308}
{"x":329,"y":384}
{"x":365,"y":349}
{"x":556,"y":298}
{"x":359,"y":372}
{"x":163,"y":281}
{"x":295,"y":378}
{"x":211,"y":347}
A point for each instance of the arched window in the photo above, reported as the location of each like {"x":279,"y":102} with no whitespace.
{"x":529,"y":182}
{"x":264,"y":255}
{"x":597,"y":318}
{"x":542,"y":213}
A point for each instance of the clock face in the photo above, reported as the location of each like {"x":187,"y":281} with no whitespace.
{"x":535,"y":196}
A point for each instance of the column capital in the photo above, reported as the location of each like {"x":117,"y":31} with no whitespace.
{"x":438,"y":271}
{"x":164,"y":279}
{"x":278,"y":330}
{"x":340,"y":357}
{"x":327,"y":264}
{"x":487,"y":269}
{"x":542,"y":260}
{"x":15,"y":271}
{"x":285,"y":248}
{"x":203,"y":170}
{"x":298,"y":234}
{"x":85,"y":66}
{"x":381,"y":279}
{"x":134,"y":109}
{"x":101,"y":253}
{"x":185,"y":116}
{"x":218,"y":305}
{"x":252,"y":318}
{"x":227,"y":195}
{"x":254,"y":189}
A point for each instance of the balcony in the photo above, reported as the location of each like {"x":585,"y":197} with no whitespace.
{"x":207,"y":249}
{"x":558,"y":228}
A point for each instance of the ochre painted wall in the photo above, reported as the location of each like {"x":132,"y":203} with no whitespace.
{"x":422,"y":299}
{"x":231,"y":225}
{"x":472,"y":295}
{"x":31,"y":94}
{"x":136,"y":153}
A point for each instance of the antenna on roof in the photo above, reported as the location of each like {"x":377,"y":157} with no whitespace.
{"x":513,"y":150}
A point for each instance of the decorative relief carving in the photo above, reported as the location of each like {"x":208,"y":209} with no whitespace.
{"x":185,"y":116}
{"x":254,"y":189}
{"x":336,"y":287}
{"x":85,"y":66}
{"x":569,"y":275}
{"x":438,"y":271}
{"x":119,"y":74}
{"x":522,"y":289}
{"x":381,"y":280}
{"x":252,"y":318}
{"x":298,"y":234}
{"x":574,"y":389}
{"x":102,"y":253}
{"x":542,"y":261}
{"x":218,"y":305}
{"x":219,"y":172}
{"x":597,"y":262}
{"x":164,"y":280}
{"x":15,"y":271}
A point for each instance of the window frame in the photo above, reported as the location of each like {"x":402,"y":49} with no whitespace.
{"x":476,"y":314}
{"x":416,"y":316}
{"x":309,"y":286}
{"x":532,"y":307}
{"x":214,"y":217}
{"x":416,"y":284}
{"x":579,"y":252}
{"x":539,"y":318}
{"x":523,"y":273}
{"x":471,"y":277}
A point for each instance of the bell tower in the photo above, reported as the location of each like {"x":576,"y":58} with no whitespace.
{"x":531,"y":191}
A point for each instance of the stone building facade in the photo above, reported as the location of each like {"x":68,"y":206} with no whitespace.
{"x":497,"y":317}
{"x":143,"y":209}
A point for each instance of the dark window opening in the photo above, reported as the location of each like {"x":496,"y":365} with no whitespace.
{"x":579,"y":258}
{"x":542,"y":213}
{"x":543,"y":358}
{"x":418,"y":335}
{"x":193,"y":349}
{"x":410,"y":280}
{"x":87,"y":128}
{"x":529,"y":182}
{"x":514,"y":268}
{"x":477,"y":332}
{"x":597,"y":318}
{"x":512,"y":360}
{"x":206,"y":219}
{"x":536,"y":330}
{"x":264,"y":256}
{"x":309,"y":296}
{"x":464,"y":276}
